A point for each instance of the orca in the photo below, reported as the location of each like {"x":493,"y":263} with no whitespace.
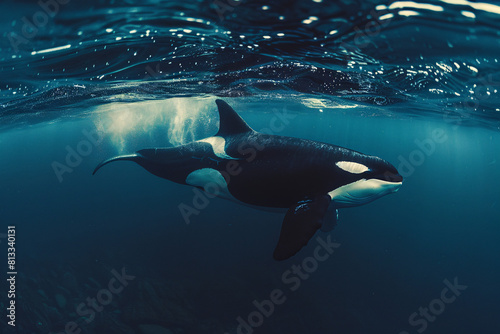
{"x":310,"y":179}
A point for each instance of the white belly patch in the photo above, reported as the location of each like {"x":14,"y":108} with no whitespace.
{"x":211,"y":181}
{"x":362,"y":191}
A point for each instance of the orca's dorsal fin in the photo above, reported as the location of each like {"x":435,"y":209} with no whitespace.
{"x":230,"y":123}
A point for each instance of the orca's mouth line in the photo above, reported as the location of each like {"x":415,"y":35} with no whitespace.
{"x":395,"y":187}
{"x":363,"y":199}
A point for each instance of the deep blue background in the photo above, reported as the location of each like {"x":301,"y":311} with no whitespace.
{"x":374,"y":76}
{"x":394,"y":253}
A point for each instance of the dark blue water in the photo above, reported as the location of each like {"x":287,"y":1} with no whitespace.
{"x":415,"y":83}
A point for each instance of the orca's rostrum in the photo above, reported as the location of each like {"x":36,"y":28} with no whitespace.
{"x":311,"y":179}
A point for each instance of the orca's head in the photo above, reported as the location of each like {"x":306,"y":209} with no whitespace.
{"x":368,"y":178}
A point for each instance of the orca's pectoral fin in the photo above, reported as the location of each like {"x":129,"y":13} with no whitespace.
{"x":130,"y":157}
{"x":300,"y":224}
{"x":330,"y":219}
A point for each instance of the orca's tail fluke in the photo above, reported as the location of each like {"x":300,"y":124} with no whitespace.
{"x":130,"y":157}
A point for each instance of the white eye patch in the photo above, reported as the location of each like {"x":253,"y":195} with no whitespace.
{"x":352,"y":167}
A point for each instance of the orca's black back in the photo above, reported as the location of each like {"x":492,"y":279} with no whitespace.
{"x":278,"y":171}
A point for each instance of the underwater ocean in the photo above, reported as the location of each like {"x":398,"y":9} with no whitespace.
{"x":415,"y":83}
